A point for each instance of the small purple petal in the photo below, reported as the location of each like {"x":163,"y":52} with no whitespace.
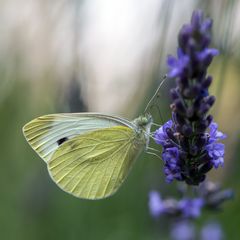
{"x":172,"y":174}
{"x":212,"y":51}
{"x":155,"y":204}
{"x":206,"y":25}
{"x":171,"y":61}
{"x":191,"y":207}
{"x":171,"y":159}
{"x":183,"y":230}
{"x":212,"y":231}
{"x":160,"y":135}
{"x":177,"y":66}
{"x":171,"y":155}
{"x":197,"y":18}
{"x":206,"y":55}
{"x":215,"y":135}
{"x":169,"y":175}
{"x":216,"y":153}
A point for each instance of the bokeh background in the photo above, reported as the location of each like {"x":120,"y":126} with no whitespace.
{"x":103,"y":56}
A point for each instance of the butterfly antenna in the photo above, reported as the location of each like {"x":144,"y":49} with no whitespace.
{"x":155,"y":94}
{"x":160,"y":113}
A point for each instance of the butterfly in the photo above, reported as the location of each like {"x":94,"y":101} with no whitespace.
{"x":88,"y":155}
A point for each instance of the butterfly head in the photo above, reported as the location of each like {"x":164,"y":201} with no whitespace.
{"x":143,"y":121}
{"x":143,"y":126}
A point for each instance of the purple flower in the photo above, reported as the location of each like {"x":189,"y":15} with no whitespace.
{"x":209,"y":195}
{"x":212,"y":231}
{"x":191,"y":208}
{"x":184,"y":208}
{"x":171,"y":158}
{"x":215,"y":135}
{"x":160,"y":136}
{"x":207,"y":55}
{"x":177,"y":66}
{"x":189,"y":151}
{"x":183,"y":230}
{"x":172,"y":174}
{"x":155,"y":204}
{"x":216,"y":153}
{"x":170,"y":154}
{"x":214,"y":149}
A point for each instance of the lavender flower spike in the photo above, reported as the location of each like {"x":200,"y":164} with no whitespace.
{"x":190,"y":140}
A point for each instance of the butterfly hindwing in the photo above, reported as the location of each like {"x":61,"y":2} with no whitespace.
{"x":93,"y":165}
{"x":46,"y":133}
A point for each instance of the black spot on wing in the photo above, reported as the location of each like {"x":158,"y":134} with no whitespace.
{"x":62,"y":140}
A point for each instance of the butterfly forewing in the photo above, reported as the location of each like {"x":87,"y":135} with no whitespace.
{"x":45,"y":134}
{"x":93,"y":165}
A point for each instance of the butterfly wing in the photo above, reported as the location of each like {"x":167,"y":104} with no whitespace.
{"x":46,"y":133}
{"x":94,"y":165}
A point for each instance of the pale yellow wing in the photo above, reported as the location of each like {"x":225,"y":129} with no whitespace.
{"x":95,"y":164}
{"x":46,"y":133}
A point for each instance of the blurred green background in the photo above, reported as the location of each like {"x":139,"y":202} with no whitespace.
{"x":104,"y":56}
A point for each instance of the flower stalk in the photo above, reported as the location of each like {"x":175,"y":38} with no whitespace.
{"x":190,"y":140}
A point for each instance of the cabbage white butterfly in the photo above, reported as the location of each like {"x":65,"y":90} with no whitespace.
{"x":88,"y":155}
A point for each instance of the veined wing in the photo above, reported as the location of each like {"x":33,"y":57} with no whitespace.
{"x":46,"y":133}
{"x":95,"y":164}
